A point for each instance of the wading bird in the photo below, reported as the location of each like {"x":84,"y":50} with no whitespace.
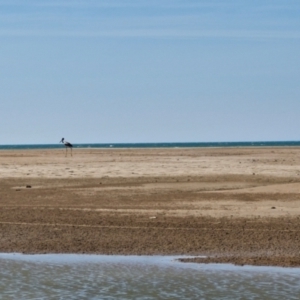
{"x":67,"y":145}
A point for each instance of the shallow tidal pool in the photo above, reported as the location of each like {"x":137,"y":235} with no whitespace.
{"x":72,"y":276}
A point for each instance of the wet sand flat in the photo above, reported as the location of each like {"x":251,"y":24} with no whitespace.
{"x":238,"y":205}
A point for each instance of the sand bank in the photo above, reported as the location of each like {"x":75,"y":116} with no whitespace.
{"x":233,"y":204}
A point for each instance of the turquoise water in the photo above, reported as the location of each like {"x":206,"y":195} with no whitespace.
{"x":157,"y":145}
{"x":66,"y":276}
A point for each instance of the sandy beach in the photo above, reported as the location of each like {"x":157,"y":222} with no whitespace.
{"x":238,"y":205}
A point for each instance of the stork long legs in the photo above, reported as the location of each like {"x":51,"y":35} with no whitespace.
{"x":67,"y":152}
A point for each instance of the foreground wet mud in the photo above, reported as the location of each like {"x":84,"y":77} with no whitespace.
{"x":242,"y":215}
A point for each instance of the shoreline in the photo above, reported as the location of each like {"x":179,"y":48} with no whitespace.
{"x":163,"y":260}
{"x":233,"y":205}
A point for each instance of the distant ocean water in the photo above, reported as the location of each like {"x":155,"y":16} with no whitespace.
{"x":156,"y":145}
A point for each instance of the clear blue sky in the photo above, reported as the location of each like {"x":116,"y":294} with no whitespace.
{"x":149,"y":70}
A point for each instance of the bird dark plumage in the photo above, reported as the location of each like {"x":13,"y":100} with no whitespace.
{"x":68,"y":144}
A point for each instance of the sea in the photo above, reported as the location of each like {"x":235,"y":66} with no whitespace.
{"x":156,"y":145}
{"x":76,"y":276}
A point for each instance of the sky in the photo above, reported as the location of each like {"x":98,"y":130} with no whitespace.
{"x":130,"y":71}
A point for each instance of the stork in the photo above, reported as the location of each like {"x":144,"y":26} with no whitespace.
{"x":67,"y":145}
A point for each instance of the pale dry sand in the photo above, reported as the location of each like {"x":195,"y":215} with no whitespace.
{"x":275,"y":171}
{"x":96,"y":163}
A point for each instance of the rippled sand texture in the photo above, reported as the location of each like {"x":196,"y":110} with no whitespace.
{"x":233,"y":204}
